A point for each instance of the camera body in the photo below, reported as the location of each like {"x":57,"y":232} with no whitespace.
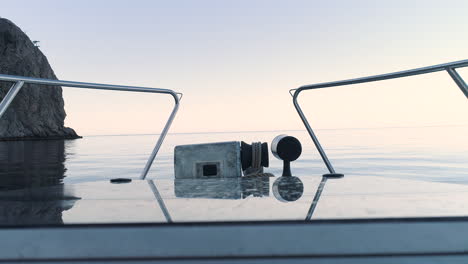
{"x":212,"y":160}
{"x":219,"y":160}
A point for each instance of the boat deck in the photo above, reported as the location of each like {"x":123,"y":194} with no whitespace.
{"x":211,"y":200}
{"x":359,"y":219}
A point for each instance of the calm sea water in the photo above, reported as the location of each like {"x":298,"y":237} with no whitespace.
{"x":437,"y":153}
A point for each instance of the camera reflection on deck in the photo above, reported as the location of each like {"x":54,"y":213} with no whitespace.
{"x":288,"y":189}
{"x":223,"y":188}
{"x":31,"y":189}
{"x":285,"y":189}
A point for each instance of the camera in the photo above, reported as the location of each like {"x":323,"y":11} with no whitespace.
{"x":219,"y":160}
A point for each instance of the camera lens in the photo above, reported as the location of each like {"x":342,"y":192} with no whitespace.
{"x":286,"y":148}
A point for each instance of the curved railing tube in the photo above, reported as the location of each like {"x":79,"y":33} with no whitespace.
{"x":20,"y":80}
{"x":449,"y":67}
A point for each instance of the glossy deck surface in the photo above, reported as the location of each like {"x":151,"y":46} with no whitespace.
{"x":254,"y":199}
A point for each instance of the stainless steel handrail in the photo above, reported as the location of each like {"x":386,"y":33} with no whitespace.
{"x":19,"y":81}
{"x":449,"y":67}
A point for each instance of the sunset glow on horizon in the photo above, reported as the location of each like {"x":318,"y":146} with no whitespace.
{"x":235,"y":62}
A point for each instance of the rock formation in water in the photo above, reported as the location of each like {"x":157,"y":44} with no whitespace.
{"x":37,"y":112}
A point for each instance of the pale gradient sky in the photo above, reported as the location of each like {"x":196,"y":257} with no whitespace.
{"x":236,"y":60}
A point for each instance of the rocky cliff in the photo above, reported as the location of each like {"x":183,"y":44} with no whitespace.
{"x":37,"y":112}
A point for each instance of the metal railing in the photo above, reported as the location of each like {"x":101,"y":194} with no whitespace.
{"x":449,"y":67}
{"x":19,"y":81}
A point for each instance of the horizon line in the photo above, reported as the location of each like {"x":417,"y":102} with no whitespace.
{"x":273,"y":130}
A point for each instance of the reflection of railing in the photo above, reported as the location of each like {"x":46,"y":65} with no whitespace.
{"x":449,"y":67}
{"x":19,"y":81}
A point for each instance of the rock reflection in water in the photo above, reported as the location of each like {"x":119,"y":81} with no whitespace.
{"x":31,"y":189}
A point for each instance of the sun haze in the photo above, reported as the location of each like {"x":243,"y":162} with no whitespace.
{"x":236,"y":60}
